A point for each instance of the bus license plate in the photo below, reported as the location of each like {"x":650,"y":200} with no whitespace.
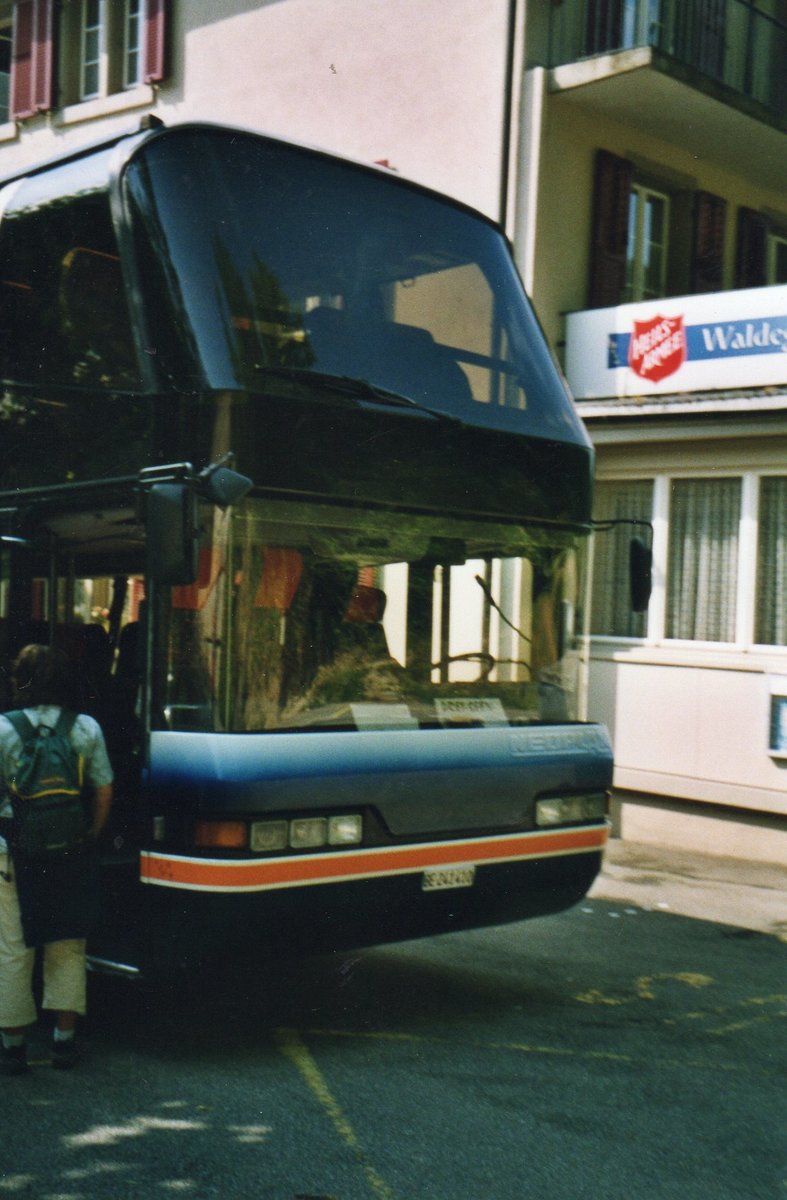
{"x":438,"y":879}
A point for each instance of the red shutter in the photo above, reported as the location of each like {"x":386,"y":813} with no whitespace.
{"x":43,"y":98}
{"x":22,"y":60}
{"x":155,"y":41}
{"x":707,"y":251}
{"x":751,"y":249}
{"x":32,"y":58}
{"x":611,"y":197}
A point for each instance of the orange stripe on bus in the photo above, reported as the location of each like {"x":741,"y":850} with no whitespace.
{"x":298,"y":870}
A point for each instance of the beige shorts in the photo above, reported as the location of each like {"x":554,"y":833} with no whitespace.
{"x":64,"y":964}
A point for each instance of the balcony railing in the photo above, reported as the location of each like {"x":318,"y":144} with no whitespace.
{"x":730,"y":41}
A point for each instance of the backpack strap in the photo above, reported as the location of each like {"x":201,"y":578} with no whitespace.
{"x":65,"y":722}
{"x":21,"y":723}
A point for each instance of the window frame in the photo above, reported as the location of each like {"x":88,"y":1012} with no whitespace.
{"x":747,"y":587}
{"x":777,"y":241}
{"x":132,"y":56}
{"x":634,"y":290}
{"x":134,"y":14}
{"x":99,"y":63}
{"x":758,"y":564}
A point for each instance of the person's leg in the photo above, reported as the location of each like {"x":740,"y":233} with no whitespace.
{"x":17,"y":1006}
{"x":65,"y":994}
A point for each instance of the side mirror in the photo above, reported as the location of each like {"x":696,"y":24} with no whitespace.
{"x":172,"y":533}
{"x":169,"y":504}
{"x":640,"y":574}
{"x":221,"y":485}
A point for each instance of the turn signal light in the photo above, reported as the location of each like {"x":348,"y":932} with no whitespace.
{"x":226,"y":835}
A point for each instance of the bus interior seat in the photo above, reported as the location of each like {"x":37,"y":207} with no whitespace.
{"x":402,"y":358}
{"x":362,"y":624}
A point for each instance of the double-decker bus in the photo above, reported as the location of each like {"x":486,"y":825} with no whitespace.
{"x":288,"y":472}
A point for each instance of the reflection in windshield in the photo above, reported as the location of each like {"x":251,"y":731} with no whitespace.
{"x":307,"y":616}
{"x":291,"y":259}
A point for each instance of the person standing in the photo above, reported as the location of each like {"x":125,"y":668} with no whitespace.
{"x":47,"y":903}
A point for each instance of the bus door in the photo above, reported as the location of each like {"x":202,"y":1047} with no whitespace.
{"x":75,"y":581}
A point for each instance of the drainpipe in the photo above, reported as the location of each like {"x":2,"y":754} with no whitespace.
{"x":515,"y":58}
{"x":522,"y":136}
{"x":531,"y":133}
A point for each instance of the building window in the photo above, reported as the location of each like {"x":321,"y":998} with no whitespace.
{"x":132,"y":51}
{"x":646,"y":252}
{"x":6,"y":41}
{"x":110,"y":46}
{"x":611,"y":614}
{"x":771,"y":612}
{"x":92,"y":43}
{"x":111,"y":41}
{"x":720,"y":559}
{"x":761,"y":249}
{"x":703,"y":559}
{"x":777,"y":258}
{"x":650,"y":239}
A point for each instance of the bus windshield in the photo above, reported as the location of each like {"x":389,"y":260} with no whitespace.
{"x":309,"y":616}
{"x":291,"y":264}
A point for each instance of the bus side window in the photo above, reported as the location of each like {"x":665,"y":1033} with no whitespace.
{"x":95,"y":318}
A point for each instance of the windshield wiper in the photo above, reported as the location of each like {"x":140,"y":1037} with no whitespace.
{"x":355,"y":389}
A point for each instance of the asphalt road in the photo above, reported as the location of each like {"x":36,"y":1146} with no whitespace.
{"x":608,"y":1052}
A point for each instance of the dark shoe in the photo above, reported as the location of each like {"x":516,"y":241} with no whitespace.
{"x":13,"y":1060}
{"x":64,"y":1054}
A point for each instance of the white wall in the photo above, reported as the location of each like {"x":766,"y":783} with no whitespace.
{"x":420,"y":83}
{"x":417,"y":82}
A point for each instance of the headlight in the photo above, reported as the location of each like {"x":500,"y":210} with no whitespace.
{"x":269,"y":835}
{"x":566,"y":810}
{"x":307,"y":832}
{"x":345,"y":831}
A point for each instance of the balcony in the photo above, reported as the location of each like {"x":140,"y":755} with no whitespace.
{"x":730,"y":48}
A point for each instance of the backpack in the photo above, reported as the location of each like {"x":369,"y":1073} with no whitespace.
{"x":46,"y":788}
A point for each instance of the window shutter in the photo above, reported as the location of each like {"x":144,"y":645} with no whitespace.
{"x":611,"y":196}
{"x":32,"y":58}
{"x":156,"y":18}
{"x":707,"y":256}
{"x":751,"y":249}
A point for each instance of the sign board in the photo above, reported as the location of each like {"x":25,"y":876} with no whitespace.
{"x":713,"y":342}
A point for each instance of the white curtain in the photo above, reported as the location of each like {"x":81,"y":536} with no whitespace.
{"x":772,"y":564}
{"x":611,"y":613}
{"x":703,"y":559}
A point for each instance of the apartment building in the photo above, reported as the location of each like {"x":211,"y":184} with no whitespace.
{"x":636,"y":151}
{"x":658,"y":138}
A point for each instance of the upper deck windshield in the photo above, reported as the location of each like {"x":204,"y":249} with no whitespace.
{"x":310,"y":616}
{"x":267,"y":267}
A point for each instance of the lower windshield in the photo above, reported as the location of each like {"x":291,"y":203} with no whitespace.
{"x":321,"y":617}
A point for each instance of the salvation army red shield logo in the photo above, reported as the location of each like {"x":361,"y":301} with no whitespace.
{"x":657,"y":347}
